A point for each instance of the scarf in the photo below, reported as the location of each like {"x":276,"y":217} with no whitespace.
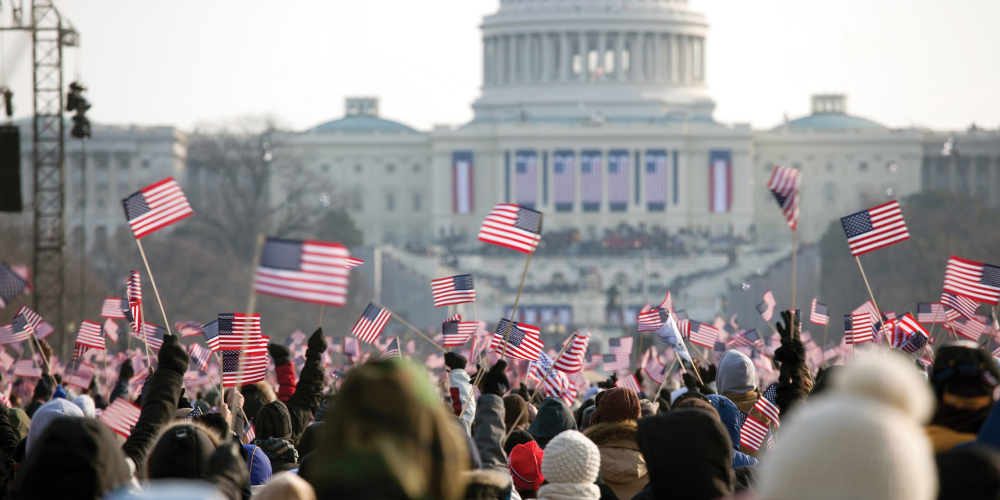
{"x":279,"y":449}
{"x":569,"y":491}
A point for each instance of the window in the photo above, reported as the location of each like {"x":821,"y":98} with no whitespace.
{"x":768,"y":167}
{"x":863,"y":166}
{"x":357,"y":168}
{"x":390,"y":168}
{"x":830,"y":194}
{"x":145,"y":163}
{"x":416,"y":168}
{"x":829,"y":167}
{"x":124,"y":160}
{"x":797,"y":166}
{"x":102,"y":159}
{"x":390,"y":202}
{"x":324,"y":167}
{"x":358,"y":199}
{"x":123,"y":190}
{"x":417,"y":202}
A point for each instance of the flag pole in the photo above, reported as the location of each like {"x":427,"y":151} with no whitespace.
{"x":32,"y":345}
{"x":107,"y":394}
{"x":415,"y":330}
{"x":166,"y":322}
{"x":795,"y":252}
{"x":825,"y":328}
{"x":546,"y":377}
{"x":666,"y":374}
{"x":870,"y":294}
{"x":320,"y":315}
{"x":252,"y":299}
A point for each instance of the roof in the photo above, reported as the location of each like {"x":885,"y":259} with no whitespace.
{"x":832,"y":121}
{"x":362,"y":124}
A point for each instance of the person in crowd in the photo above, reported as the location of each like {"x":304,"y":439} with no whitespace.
{"x":525,"y":464}
{"x":570,"y":466}
{"x":729,"y":415}
{"x":286,"y":487}
{"x":613,"y":427}
{"x":515,"y":412}
{"x":273,"y":431}
{"x":963,"y":379}
{"x":459,"y":388}
{"x":553,"y":418}
{"x":304,"y":403}
{"x":860,"y":439}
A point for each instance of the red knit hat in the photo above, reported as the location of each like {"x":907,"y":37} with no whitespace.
{"x":525,"y":464}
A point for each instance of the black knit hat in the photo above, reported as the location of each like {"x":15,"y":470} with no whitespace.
{"x":957,"y":365}
{"x":181,"y":452}
{"x":273,"y":421}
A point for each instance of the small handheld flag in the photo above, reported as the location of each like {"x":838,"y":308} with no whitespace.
{"x":453,"y":290}
{"x":303,"y":270}
{"x":523,"y":343}
{"x":875,"y":228}
{"x":512,"y":226}
{"x":784,"y":185}
{"x":818,"y":313}
{"x":371,"y":323}
{"x":975,"y":280}
{"x":156,"y":206}
{"x":766,"y":308}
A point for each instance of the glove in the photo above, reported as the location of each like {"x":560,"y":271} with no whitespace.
{"x":126,"y":371}
{"x":790,"y":320}
{"x":317,"y":342}
{"x":522,"y":390}
{"x":454,"y":361}
{"x":227,"y":463}
{"x":182,"y":402}
{"x":707,"y":376}
{"x":279,"y":353}
{"x":172,"y":355}
{"x":495,"y":381}
{"x":692,"y":384}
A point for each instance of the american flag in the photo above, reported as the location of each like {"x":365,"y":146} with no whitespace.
{"x":975,"y":280}
{"x":134,"y":315}
{"x":703,"y":334}
{"x":848,"y":329}
{"x":621,"y":346}
{"x":594,"y":362}
{"x":91,"y":335}
{"x":41,"y":327}
{"x":236,"y":330}
{"x":303,"y":270}
{"x":618,"y":179}
{"x":862,"y":327}
{"x":615,"y":362}
{"x":457,"y":333}
{"x":629,"y":381}
{"x":752,"y":432}
{"x":784,"y":185}
{"x":248,"y":434}
{"x":211,"y":333}
{"x":766,"y":308}
{"x":918,"y":336}
{"x":971,"y":329}
{"x":564,"y":180}
{"x":335,"y":344}
{"x":511,"y":226}
{"x":654,"y":369}
{"x":200,"y":355}
{"x":767,"y":406}
{"x":6,"y":361}
{"x":114,"y":307}
{"x":572,"y":360}
{"x":993,"y":347}
{"x":18,"y":331}
{"x":748,"y":338}
{"x":353,"y":262}
{"x":371,"y":322}
{"x":26,"y":368}
{"x":352,"y":346}
{"x":963,"y":305}
{"x":188,"y":328}
{"x":557,"y":384}
{"x":656,"y":179}
{"x":12,"y":285}
{"x":590,"y":180}
{"x":253,"y":361}
{"x":668,"y":302}
{"x":296,"y":339}
{"x":121,"y":416}
{"x":454,"y":290}
{"x":930,"y":313}
{"x":111,"y":330}
{"x":818,"y":313}
{"x":523,"y":343}
{"x":875,"y":228}
{"x":154,"y":335}
{"x":526,"y":166}
{"x":435,"y":361}
{"x":653,"y":319}
{"x":391,"y":351}
{"x":82,"y":377}
{"x":156,"y":206}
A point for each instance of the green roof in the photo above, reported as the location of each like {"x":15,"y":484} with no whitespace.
{"x":832,"y":121}
{"x":362,"y":124}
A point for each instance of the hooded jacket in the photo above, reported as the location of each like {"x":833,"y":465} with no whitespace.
{"x":623,"y":468}
{"x":388,"y":437}
{"x":553,"y":418}
{"x":689,"y":456}
{"x":75,"y":458}
{"x":736,"y":379}
{"x":308,"y":394}
{"x":46,"y":414}
{"x":729,"y":415}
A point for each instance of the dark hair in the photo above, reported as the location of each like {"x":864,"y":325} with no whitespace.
{"x":517,"y":437}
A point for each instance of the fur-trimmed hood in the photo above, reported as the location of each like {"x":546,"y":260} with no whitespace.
{"x":623,"y":468}
{"x":486,"y":484}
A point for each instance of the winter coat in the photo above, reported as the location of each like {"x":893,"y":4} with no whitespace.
{"x":459,"y":386}
{"x":729,"y":415}
{"x":75,"y":458}
{"x":308,"y":394}
{"x":285,"y":373}
{"x":623,"y":468}
{"x":488,"y":432}
{"x":9,"y":439}
{"x":689,"y":455}
{"x":158,"y":407}
{"x":553,"y":418}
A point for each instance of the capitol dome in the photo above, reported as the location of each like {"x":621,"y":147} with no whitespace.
{"x":572,"y":59}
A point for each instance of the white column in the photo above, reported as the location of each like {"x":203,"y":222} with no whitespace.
{"x":675,"y":68}
{"x":619,"y":56}
{"x":639,"y":57}
{"x":602,"y":47}
{"x":498,"y":56}
{"x":582,"y":37}
{"x":657,"y":65}
{"x":682,"y":75}
{"x":564,"y":57}
{"x":487,"y":70}
{"x":546,"y":56}
{"x":511,"y":58}
{"x":689,"y":59}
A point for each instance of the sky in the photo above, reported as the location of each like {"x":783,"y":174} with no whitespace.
{"x":924,"y":63}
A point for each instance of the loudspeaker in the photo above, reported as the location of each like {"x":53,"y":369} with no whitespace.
{"x":10,"y":169}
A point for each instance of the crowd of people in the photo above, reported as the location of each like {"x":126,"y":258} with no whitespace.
{"x":879,"y":427}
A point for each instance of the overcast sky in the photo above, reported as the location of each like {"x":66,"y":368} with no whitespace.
{"x":929,"y":63}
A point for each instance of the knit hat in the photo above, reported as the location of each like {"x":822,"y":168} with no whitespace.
{"x":614,"y":405}
{"x":525,"y":464}
{"x":273,"y":421}
{"x":515,"y":438}
{"x":866,"y":428}
{"x":571,"y":463}
{"x":46,"y":414}
{"x":736,"y":373}
{"x":182,"y":451}
{"x":700,"y":404}
{"x":86,"y":404}
{"x":958,"y":365}
{"x":515,"y":411}
{"x":256,"y":396}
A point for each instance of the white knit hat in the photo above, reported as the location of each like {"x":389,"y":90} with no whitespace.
{"x":571,"y":458}
{"x":863,"y":440}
